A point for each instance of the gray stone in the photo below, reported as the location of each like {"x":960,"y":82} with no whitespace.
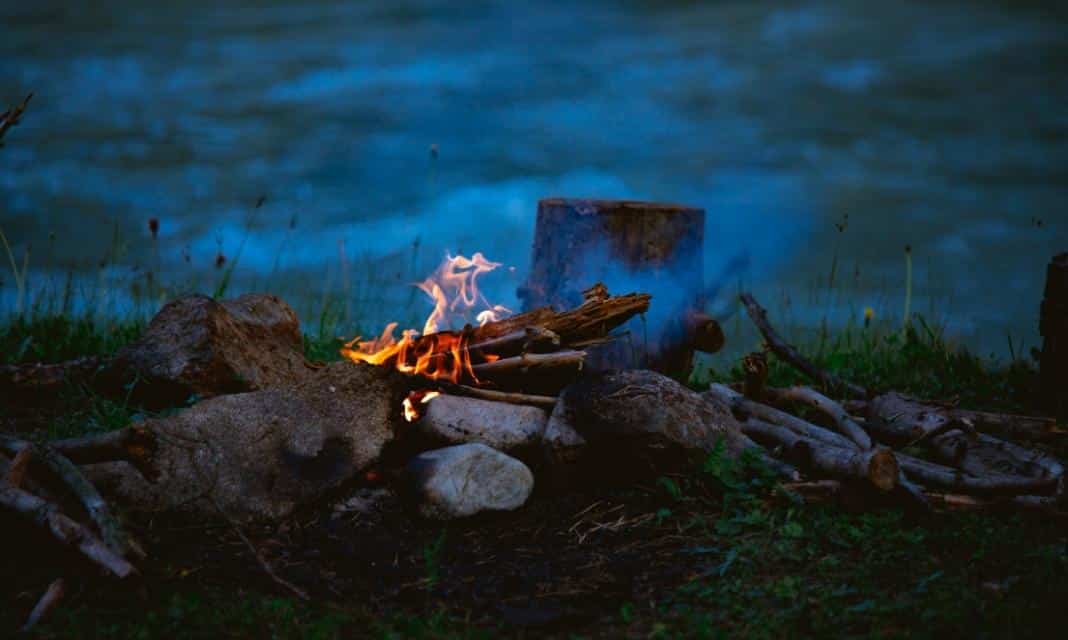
{"x":263,"y":454}
{"x":197,"y":346}
{"x":510,"y":428}
{"x":461,"y":481}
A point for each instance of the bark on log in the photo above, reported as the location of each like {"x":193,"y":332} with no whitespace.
{"x":877,"y":466}
{"x":740,"y":404}
{"x":936,"y":476}
{"x":1053,"y":326}
{"x":46,"y":604}
{"x":788,"y":353}
{"x":844,"y":423}
{"x":579,"y":241}
{"x":35,"y":382}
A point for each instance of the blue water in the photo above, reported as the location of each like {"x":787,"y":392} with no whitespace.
{"x":382,"y":135}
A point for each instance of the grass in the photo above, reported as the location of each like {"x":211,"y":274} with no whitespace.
{"x":762,"y":565}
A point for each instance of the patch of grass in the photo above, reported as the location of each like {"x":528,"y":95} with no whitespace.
{"x":55,"y":338}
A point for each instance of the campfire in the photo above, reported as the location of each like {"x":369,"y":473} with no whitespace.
{"x":494,"y":355}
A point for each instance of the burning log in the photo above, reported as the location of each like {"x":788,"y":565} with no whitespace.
{"x":527,"y":362}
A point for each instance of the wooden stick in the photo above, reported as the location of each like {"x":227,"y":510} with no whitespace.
{"x":594,"y":318}
{"x":10,"y":117}
{"x":526,"y":339}
{"x":739,"y":403}
{"x":790,"y":354}
{"x":1046,"y":506}
{"x":547,"y":402}
{"x":135,"y":444}
{"x":704,"y":332}
{"x":47,"y":516}
{"x":531,"y":361}
{"x":981,"y":454}
{"x":48,"y":601}
{"x":111,"y":531}
{"x":937,"y":476}
{"x":877,"y":466}
{"x":843,"y":422}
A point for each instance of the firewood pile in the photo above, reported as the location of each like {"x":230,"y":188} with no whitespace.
{"x":465,"y":422}
{"x":924,"y":454}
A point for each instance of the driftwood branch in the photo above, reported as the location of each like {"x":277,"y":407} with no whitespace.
{"x":787,"y":352}
{"x":936,"y":476}
{"x":740,"y":404}
{"x":47,"y":516}
{"x":877,"y":466}
{"x":843,"y":422}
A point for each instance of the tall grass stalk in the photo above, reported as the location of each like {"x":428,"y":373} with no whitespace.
{"x":20,"y":276}
{"x":908,"y":286}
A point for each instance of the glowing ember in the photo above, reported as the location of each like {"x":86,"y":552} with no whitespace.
{"x":411,"y":404}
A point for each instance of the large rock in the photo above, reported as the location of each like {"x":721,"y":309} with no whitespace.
{"x":511,"y":428}
{"x":638,"y":415}
{"x":265,"y":453}
{"x":197,"y":346}
{"x":461,"y":481}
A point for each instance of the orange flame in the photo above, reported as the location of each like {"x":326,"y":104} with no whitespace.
{"x":411,"y":403}
{"x":453,"y":289}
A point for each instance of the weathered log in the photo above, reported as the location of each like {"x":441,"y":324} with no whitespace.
{"x":877,"y":466}
{"x":1046,"y":506}
{"x":1053,"y":326}
{"x":740,"y":404}
{"x":843,"y":422}
{"x":47,"y":516}
{"x":790,"y":354}
{"x":980,"y":454}
{"x":936,"y":476}
{"x":787,"y":472}
{"x":899,"y":419}
{"x":579,"y":241}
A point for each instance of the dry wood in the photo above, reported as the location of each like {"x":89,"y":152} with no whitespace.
{"x":47,"y":516}
{"x":46,"y":604}
{"x":877,"y":466}
{"x":532,"y":338}
{"x":981,"y":454}
{"x":111,"y":531}
{"x":571,"y":360}
{"x":547,"y":402}
{"x":1010,"y":425}
{"x":1047,"y":506}
{"x":594,"y":318}
{"x":135,"y":444}
{"x":704,"y":332}
{"x":896,"y":419}
{"x":740,"y":404}
{"x":844,"y":423}
{"x":755,"y":370}
{"x":936,"y":476}
{"x":787,"y":352}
